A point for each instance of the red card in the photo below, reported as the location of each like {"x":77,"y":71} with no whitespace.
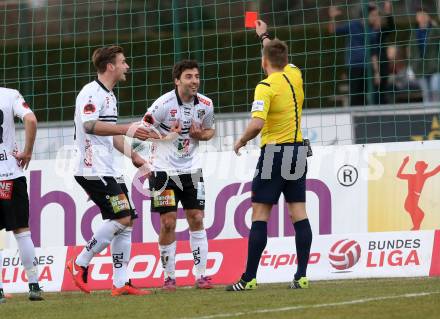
{"x":250,"y":18}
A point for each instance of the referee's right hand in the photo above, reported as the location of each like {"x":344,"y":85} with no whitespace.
{"x":260,"y":27}
{"x":238,"y":144}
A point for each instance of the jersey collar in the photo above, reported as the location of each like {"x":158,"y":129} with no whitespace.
{"x":102,"y":85}
{"x":179,"y":100}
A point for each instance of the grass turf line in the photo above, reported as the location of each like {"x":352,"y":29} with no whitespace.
{"x":192,"y":303}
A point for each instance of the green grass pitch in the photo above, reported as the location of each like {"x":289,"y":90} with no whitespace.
{"x":417,"y":298}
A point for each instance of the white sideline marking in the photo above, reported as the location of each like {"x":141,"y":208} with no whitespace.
{"x":323,"y":305}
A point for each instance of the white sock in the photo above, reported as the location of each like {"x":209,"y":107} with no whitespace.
{"x":1,"y":267}
{"x":167,"y":257}
{"x":121,"y":250}
{"x":26,"y":250}
{"x":99,"y":241}
{"x":199,"y":247}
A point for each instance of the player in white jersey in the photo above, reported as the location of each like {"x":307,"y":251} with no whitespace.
{"x":96,"y":136}
{"x":177,"y":173}
{"x":14,"y":200}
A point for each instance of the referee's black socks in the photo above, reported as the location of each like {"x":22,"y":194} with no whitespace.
{"x":256,"y":244}
{"x":303,"y":241}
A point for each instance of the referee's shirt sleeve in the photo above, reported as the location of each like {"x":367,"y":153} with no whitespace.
{"x":262,"y":98}
{"x":89,"y":107}
{"x":19,"y":106}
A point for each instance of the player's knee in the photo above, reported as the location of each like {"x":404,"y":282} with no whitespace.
{"x":125,"y":221}
{"x":297,"y":211}
{"x":20,"y":230}
{"x":195,"y":221}
{"x":168,"y":225}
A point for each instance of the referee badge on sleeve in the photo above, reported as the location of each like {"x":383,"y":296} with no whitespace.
{"x":257,"y":106}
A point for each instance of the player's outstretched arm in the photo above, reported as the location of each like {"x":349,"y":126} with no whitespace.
{"x":30,"y":128}
{"x":105,"y":129}
{"x":122,"y":146}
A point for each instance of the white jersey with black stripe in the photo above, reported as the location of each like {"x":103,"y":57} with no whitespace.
{"x":95,"y":153}
{"x":182,"y":156}
{"x":12,"y":104}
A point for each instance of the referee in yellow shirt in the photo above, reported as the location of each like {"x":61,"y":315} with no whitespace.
{"x":282,"y":166}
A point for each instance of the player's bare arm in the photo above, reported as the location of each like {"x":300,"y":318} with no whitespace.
{"x":105,"y":129}
{"x":30,"y":127}
{"x":122,"y":146}
{"x":202,"y":134}
{"x":252,"y":130}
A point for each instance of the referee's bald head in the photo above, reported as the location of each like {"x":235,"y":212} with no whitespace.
{"x":276,"y":53}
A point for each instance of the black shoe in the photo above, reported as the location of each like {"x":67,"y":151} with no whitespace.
{"x":35,"y":292}
{"x":243,"y":285}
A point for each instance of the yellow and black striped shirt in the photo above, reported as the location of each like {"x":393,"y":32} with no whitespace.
{"x":278,"y":101}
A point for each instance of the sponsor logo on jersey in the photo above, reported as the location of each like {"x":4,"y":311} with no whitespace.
{"x":88,"y":154}
{"x":173,"y":112}
{"x":200,"y":113}
{"x":3,"y":156}
{"x":148,"y":118}
{"x":89,"y":108}
{"x":204,"y":101}
{"x":25,"y":105}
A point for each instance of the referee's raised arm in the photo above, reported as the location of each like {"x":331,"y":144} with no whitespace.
{"x":261,"y":29}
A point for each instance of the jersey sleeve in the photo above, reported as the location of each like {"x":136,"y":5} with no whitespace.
{"x":156,"y":113}
{"x":89,"y":107}
{"x":20,"y":107}
{"x":262,"y":98}
{"x":208,"y":119}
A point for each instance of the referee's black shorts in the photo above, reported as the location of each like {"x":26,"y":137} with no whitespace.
{"x":110,"y":196}
{"x":281,"y":168}
{"x":14,"y":204}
